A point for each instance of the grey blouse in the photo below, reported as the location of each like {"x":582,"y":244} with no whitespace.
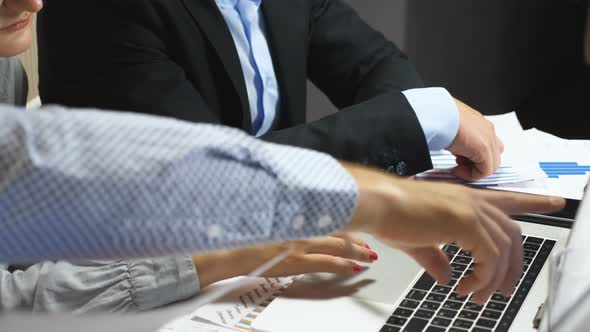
{"x":89,"y":286}
{"x":13,"y":82}
{"x":93,"y":286}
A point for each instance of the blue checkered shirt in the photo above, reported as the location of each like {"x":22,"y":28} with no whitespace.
{"x":96,"y":184}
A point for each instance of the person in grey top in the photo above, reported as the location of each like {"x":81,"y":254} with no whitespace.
{"x":13,"y":82}
{"x":93,"y":184}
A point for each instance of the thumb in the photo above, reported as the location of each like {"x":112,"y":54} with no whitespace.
{"x":434,"y":261}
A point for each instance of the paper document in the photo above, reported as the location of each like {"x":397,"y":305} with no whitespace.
{"x":566,"y":164}
{"x":517,"y":164}
{"x":444,"y":162}
{"x":185,"y":324}
{"x":236,"y":310}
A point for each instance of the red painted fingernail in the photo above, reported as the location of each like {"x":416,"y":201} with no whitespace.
{"x":356,"y":267}
{"x":367,"y":246}
{"x":373,"y":255}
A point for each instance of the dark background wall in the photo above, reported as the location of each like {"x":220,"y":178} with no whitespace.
{"x":387,"y":16}
{"x":504,"y":55}
{"x":496,"y":55}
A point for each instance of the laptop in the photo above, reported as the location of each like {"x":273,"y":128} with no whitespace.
{"x":395,"y":294}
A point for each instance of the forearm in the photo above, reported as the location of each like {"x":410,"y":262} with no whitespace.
{"x":102,"y":185}
{"x":221,"y":265}
{"x":382,"y":132}
{"x":98,"y":286}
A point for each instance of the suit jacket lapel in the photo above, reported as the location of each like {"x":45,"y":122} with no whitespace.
{"x":209,"y":18}
{"x":286,"y":32}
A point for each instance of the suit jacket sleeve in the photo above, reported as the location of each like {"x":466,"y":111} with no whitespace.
{"x":363,"y":74}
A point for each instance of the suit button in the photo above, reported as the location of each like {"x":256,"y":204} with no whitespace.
{"x":401,"y":169}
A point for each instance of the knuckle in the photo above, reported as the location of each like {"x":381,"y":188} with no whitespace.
{"x":514,"y":228}
{"x":303,"y":243}
{"x":491,"y":126}
{"x":505,"y":243}
{"x":495,"y":253}
{"x":338,"y":265}
{"x":468,"y":215}
{"x":340,"y":246}
{"x":295,"y":259}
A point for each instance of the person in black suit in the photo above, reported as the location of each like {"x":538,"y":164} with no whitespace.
{"x":220,"y":61}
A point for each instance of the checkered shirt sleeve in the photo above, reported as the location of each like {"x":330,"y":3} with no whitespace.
{"x":94,"y":184}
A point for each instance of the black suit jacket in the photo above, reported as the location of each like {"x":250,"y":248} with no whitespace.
{"x":177,"y":58}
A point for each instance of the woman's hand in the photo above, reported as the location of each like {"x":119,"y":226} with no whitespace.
{"x":335,"y":254}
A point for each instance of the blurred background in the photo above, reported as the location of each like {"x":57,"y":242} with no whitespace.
{"x":496,"y":55}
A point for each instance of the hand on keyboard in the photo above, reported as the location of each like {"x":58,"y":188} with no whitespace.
{"x":418,"y":216}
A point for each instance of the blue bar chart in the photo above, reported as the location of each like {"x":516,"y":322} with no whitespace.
{"x":444,"y":162}
{"x":556,"y":169}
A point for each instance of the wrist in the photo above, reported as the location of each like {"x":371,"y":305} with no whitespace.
{"x":377,"y":197}
{"x":217,"y":266}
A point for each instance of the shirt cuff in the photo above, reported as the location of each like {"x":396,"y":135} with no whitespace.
{"x":161,"y":281}
{"x":437,"y":113}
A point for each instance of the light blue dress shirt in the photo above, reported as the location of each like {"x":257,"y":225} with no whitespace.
{"x":434,"y":107}
{"x":96,"y":184}
{"x":438,"y":115}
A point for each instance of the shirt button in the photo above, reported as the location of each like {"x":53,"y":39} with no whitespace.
{"x":324,"y":222}
{"x":298,"y":222}
{"x":214,"y":231}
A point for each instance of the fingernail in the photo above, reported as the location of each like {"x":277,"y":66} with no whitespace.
{"x":367,"y":246}
{"x":373,"y":256}
{"x":356,"y":267}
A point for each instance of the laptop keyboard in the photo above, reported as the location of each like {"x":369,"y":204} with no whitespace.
{"x":432,"y":307}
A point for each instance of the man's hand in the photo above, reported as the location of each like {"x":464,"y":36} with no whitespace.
{"x":418,"y":216}
{"x":477,"y":148}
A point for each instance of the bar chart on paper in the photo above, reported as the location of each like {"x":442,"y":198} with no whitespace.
{"x":236,"y":310}
{"x":554,"y":170}
{"x":444,"y":162}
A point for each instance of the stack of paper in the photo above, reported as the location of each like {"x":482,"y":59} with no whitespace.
{"x":236,"y":310}
{"x":517,"y":165}
{"x":444,"y":162}
{"x":566,"y":164}
{"x":533,"y":162}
